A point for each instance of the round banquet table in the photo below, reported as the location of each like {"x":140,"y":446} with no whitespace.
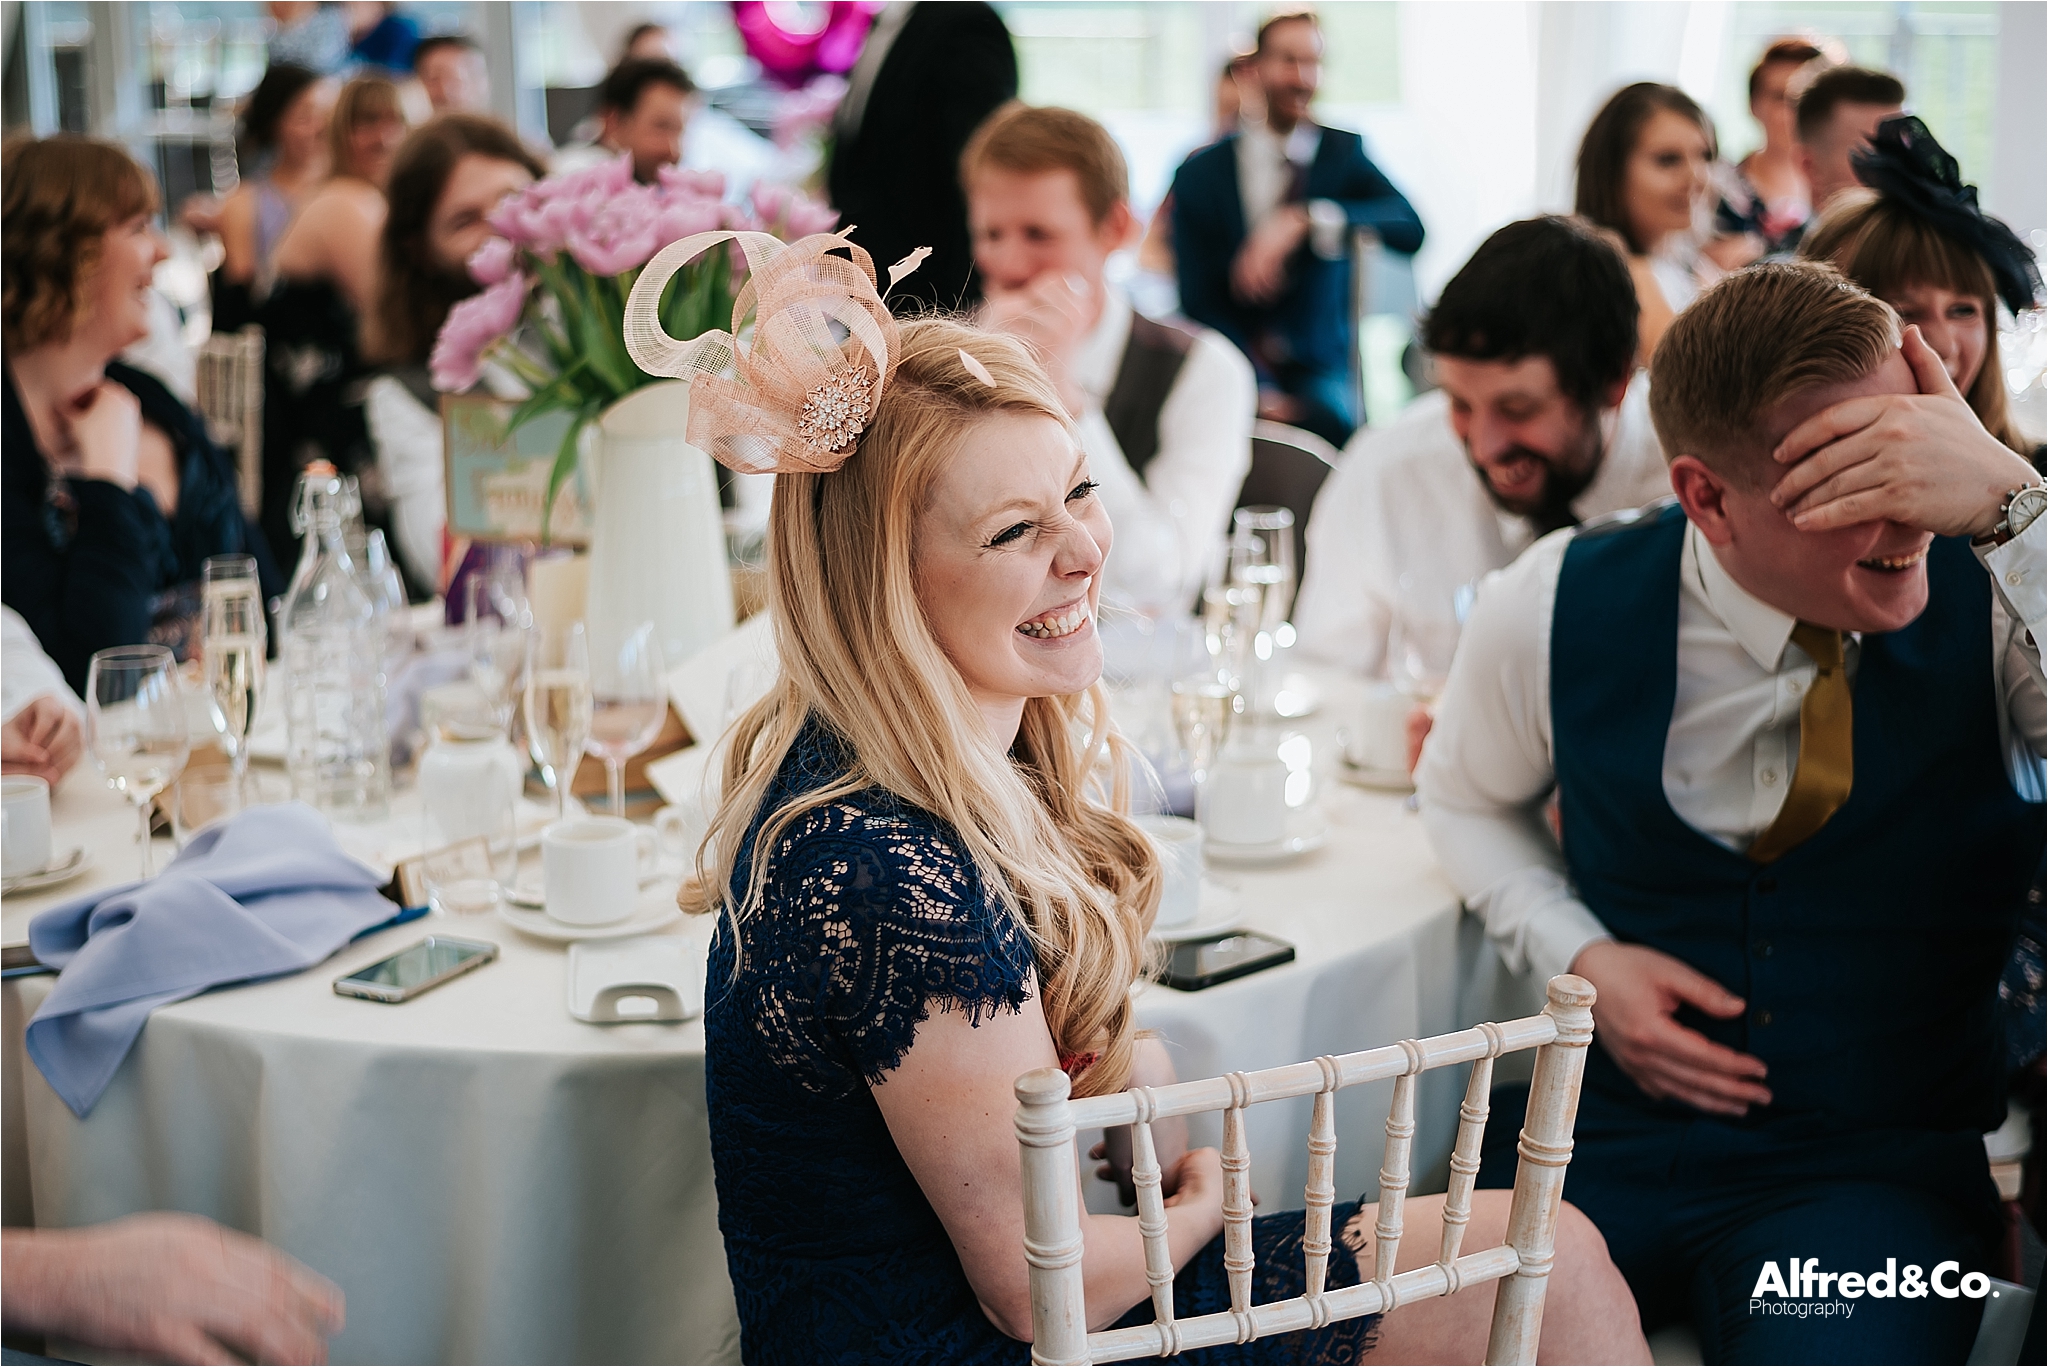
{"x":491,"y":1180}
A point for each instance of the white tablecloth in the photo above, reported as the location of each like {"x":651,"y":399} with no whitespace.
{"x":489,"y":1179}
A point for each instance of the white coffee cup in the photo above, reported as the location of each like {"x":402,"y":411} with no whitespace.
{"x":1245,"y":799}
{"x":679,"y":830}
{"x":590,"y":868}
{"x":1379,"y":739}
{"x":24,"y":825}
{"x":1179,"y":842}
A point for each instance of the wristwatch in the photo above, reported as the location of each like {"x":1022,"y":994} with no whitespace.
{"x":2019,"y":511}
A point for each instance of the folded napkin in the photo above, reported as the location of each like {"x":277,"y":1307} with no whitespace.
{"x":266,"y":892}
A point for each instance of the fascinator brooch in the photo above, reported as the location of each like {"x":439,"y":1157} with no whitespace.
{"x":794,"y":396}
{"x":1906,"y":165}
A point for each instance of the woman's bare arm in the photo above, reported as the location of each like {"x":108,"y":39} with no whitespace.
{"x":951,"y":1107}
{"x":238,"y":264}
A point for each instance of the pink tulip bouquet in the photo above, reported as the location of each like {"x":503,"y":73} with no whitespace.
{"x":556,"y":280}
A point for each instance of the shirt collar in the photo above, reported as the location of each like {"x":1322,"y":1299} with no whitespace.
{"x":1761,"y":629}
{"x":1101,"y":352}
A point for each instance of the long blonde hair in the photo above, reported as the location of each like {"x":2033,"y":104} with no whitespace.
{"x":858,"y":655}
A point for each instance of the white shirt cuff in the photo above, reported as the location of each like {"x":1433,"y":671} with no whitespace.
{"x":2019,"y":568}
{"x":1326,"y":228}
{"x":1556,"y":933}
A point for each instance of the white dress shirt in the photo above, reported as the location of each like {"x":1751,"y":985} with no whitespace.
{"x":1266,"y":166}
{"x":1406,"y":500}
{"x":1182,"y":504}
{"x":1732,"y":749}
{"x":25,"y":672}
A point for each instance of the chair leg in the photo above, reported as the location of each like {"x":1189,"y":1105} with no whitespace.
{"x":1546,"y":1148}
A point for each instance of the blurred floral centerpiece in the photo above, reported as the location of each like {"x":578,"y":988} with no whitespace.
{"x":551,"y":316}
{"x":552,"y":310}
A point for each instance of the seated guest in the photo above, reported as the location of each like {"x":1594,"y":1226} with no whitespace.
{"x":284,"y":136}
{"x":1535,"y":425}
{"x":313,"y":317}
{"x":1838,"y":114}
{"x":111,"y":493}
{"x":921,"y":901}
{"x":451,"y":69}
{"x":448,"y":177}
{"x":1262,"y":223}
{"x":1774,"y":196}
{"x":643,"y":108}
{"x":1164,"y":414}
{"x":1643,"y":174}
{"x":1784,"y":722}
{"x":1919,"y":242}
{"x":40,"y":717}
{"x":167,"y":1288}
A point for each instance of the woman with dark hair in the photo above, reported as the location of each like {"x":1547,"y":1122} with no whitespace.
{"x":1643,"y":174}
{"x":1772,"y":197}
{"x":326,"y":285}
{"x":445,"y":181}
{"x":284,"y":151}
{"x":111,"y":495}
{"x":1917,"y":240}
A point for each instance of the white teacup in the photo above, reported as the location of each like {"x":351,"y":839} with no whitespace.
{"x":590,"y":868}
{"x":1379,"y":738}
{"x":1179,"y":842}
{"x":679,"y":830}
{"x":24,"y":825}
{"x":1245,"y":799}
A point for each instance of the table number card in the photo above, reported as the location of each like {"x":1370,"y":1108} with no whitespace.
{"x":497,"y":480}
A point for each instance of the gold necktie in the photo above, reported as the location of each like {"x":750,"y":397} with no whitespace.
{"x":1826,"y":749}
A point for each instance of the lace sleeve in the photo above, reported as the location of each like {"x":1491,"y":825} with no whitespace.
{"x":879,"y":918}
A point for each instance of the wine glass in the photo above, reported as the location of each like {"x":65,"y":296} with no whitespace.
{"x":629,"y":702}
{"x":236,"y":642}
{"x":1262,"y":558}
{"x":1422,"y":638}
{"x":558,"y":703}
{"x":136,"y":721}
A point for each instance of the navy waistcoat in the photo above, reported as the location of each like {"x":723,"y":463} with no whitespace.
{"x":1868,"y":956}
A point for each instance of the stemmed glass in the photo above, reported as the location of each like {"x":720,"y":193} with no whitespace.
{"x":236,"y":642}
{"x":629,"y":703}
{"x":558,"y":703}
{"x":136,"y":720}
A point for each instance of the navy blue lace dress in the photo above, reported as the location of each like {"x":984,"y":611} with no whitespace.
{"x":873,"y":919}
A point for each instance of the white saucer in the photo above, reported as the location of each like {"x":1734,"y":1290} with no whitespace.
{"x":56,"y":873}
{"x":1310,"y":828}
{"x":1378,"y":780}
{"x":531,"y":889}
{"x":544,"y":927}
{"x":1220,"y":909}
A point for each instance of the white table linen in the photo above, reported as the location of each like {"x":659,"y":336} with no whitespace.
{"x":489,"y":1179}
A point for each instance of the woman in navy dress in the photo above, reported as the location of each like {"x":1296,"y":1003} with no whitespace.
{"x":923,"y":895}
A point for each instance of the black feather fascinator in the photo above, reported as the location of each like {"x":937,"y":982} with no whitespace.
{"x":1906,"y":165}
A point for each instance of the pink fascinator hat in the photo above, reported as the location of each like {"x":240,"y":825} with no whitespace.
{"x":796,"y":395}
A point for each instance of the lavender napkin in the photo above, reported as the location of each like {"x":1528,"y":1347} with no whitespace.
{"x":266,"y":892}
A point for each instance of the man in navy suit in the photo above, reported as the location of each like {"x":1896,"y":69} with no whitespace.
{"x":1261,"y":228}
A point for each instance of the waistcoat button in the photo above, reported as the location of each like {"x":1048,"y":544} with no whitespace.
{"x":1764,"y":949}
{"x":1762,"y":1016}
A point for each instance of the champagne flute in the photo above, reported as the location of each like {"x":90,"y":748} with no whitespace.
{"x":558,"y":703}
{"x":628,"y":705}
{"x":136,"y":721}
{"x":236,"y":642}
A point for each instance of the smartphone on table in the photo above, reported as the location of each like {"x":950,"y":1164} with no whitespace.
{"x":1196,"y":964}
{"x":419,"y":968}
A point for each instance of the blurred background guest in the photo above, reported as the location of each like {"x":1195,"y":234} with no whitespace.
{"x":1773,"y":198}
{"x":1537,"y":425}
{"x":648,"y":42}
{"x":111,"y":494}
{"x":1165,"y":414}
{"x":381,"y":37}
{"x":1643,"y":174}
{"x":285,"y":149}
{"x":312,"y":319}
{"x":451,"y":69}
{"x":168,"y":1288}
{"x":310,"y":35}
{"x":446,"y":180}
{"x":41,"y":731}
{"x":927,"y":77}
{"x":1262,"y":223}
{"x":1919,"y":242}
{"x":1237,"y":98}
{"x":1838,"y":112}
{"x":643,"y":108}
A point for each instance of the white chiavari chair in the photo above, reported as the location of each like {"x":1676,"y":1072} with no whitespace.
{"x":1047,"y":1120}
{"x":230,"y":386}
